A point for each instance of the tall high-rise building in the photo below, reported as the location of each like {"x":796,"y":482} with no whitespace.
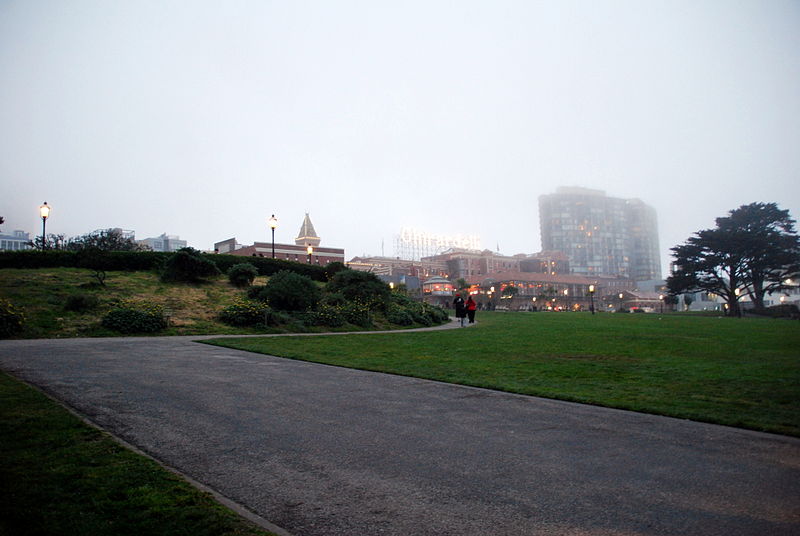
{"x":601,"y":235}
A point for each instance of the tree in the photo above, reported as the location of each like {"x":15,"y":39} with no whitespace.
{"x":753,"y":249}
{"x":290,"y":291}
{"x":688,"y":300}
{"x":771,"y":247}
{"x":54,"y":241}
{"x":365,"y":287}
{"x":106,"y":240}
{"x":188,"y":264}
{"x":510,"y":291}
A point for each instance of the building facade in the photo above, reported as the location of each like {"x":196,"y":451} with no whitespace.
{"x":15,"y":241}
{"x":305,"y":249}
{"x":601,"y":235}
{"x":164,"y":242}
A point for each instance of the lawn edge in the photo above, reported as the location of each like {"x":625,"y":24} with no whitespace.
{"x":227,"y":502}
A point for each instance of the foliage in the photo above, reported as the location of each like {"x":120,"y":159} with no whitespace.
{"x":333,"y":268}
{"x":242,"y":275}
{"x":326,"y":315}
{"x":105,"y":240}
{"x":244,"y":313}
{"x":363,"y":287}
{"x":399,"y":316}
{"x":135,"y":318}
{"x":510,"y":291}
{"x":12,"y":319}
{"x":189,"y":265}
{"x":268,"y":266}
{"x":357,"y":313}
{"x":290,"y":291}
{"x":753,"y":249}
{"x":81,"y":302}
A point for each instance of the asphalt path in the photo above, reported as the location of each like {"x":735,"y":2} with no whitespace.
{"x":321,"y":450}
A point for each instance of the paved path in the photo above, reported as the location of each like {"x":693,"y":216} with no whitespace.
{"x":322,"y":450}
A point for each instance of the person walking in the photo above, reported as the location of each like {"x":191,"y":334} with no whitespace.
{"x":461,"y":309}
{"x":471,"y":307}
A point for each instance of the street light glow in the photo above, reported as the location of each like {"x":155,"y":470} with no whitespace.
{"x":44,"y":211}
{"x":273,"y":222}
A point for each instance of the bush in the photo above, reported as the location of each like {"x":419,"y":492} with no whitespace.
{"x":326,"y":315}
{"x":399,"y":316}
{"x":12,"y":319}
{"x":244,"y":313}
{"x":289,"y":291}
{"x":189,"y":265}
{"x":333,"y":268}
{"x":135,"y":319}
{"x":357,"y":313}
{"x":242,"y":275}
{"x":80,"y":303}
{"x":364,"y":287}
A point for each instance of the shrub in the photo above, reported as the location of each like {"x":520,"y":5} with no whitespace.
{"x":189,"y":265}
{"x":328,"y":315}
{"x":333,"y":268}
{"x":244,"y":313}
{"x":289,"y":291}
{"x":399,"y":316}
{"x":357,"y":313}
{"x":81,"y":302}
{"x":242,"y":275}
{"x":128,"y":318}
{"x":364,"y":287}
{"x":11,"y":319}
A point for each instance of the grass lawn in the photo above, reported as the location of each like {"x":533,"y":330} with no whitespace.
{"x":738,"y":372}
{"x":59,"y":476}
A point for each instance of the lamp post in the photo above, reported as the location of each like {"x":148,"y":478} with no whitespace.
{"x":44,"y":212}
{"x":273,"y":223}
{"x":591,"y":298}
{"x":310,"y":250}
{"x":661,"y":299}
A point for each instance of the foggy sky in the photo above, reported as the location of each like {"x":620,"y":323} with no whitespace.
{"x":201,"y":119}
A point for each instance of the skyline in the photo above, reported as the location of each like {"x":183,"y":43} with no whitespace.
{"x":200,"y":120}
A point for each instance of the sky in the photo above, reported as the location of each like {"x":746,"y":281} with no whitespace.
{"x":202,"y":118}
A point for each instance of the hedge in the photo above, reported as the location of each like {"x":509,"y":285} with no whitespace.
{"x":144,"y":261}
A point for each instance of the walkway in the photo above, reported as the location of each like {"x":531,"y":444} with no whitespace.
{"x":323,"y":451}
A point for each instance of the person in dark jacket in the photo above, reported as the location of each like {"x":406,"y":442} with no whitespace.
{"x":461,"y":309}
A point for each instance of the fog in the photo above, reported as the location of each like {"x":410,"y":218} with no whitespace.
{"x":201,"y":119}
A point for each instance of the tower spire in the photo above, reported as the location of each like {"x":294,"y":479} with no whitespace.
{"x":307,"y":235}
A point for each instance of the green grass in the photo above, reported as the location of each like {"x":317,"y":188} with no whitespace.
{"x":59,"y":476}
{"x":738,"y":372}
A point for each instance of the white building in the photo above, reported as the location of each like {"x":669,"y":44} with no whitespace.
{"x":164,"y":242}
{"x":15,"y":241}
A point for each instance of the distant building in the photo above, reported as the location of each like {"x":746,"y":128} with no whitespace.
{"x":164,"y":242}
{"x":15,"y":241}
{"x":601,"y":236}
{"x":299,"y":251}
{"x":413,"y":244}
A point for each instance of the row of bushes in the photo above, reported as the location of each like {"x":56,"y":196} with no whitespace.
{"x":147,"y":261}
{"x":350,"y":297}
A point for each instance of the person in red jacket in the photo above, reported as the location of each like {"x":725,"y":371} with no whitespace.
{"x":471,"y":306}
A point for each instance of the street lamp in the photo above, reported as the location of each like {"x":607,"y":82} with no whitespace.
{"x":591,"y":298}
{"x":661,"y":299}
{"x":273,"y":223}
{"x":44,"y":212}
{"x":310,"y":250}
